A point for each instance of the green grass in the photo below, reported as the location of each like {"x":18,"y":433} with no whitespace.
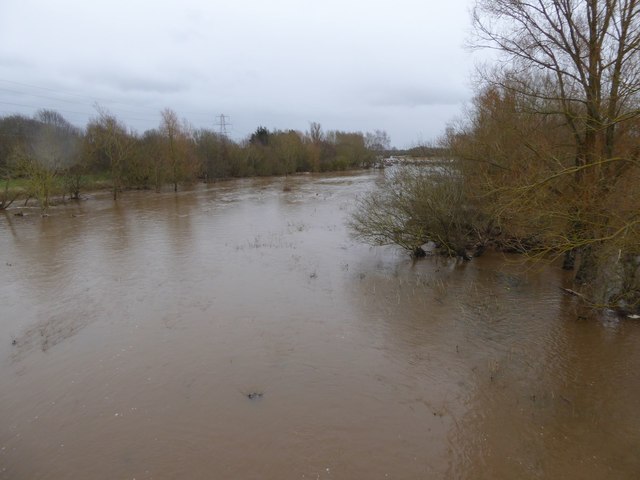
{"x":94,"y":181}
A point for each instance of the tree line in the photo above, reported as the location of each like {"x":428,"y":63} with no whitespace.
{"x":546,"y":160}
{"x":48,"y":155}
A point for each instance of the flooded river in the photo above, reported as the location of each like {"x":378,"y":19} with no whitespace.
{"x":237,"y":332}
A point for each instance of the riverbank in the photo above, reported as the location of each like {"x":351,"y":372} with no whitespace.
{"x":15,"y":194}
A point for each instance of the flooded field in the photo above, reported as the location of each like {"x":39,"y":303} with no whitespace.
{"x":237,"y":332}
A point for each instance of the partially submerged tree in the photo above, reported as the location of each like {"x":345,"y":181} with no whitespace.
{"x":289,"y":150}
{"x":418,"y":205}
{"x":46,"y":153}
{"x":549,"y":151}
{"x":351,"y":151}
{"x":564,"y":104}
{"x":109,"y":143}
{"x":181,"y":162}
{"x":377,"y":142}
{"x":214,"y":150}
{"x":150,"y":163}
{"x":58,"y":150}
{"x":7,"y":195}
{"x":314,"y":138}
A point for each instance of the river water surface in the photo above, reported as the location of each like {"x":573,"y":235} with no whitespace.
{"x":237,"y":332}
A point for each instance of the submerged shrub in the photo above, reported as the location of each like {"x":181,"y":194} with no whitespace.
{"x":416,"y":205}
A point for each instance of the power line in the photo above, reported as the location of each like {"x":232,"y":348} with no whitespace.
{"x":73,"y":94}
{"x":62,"y":110}
{"x":40,"y":96}
{"x":56,"y":99}
{"x":31,"y":106}
{"x":86,"y":105}
{"x":92,"y":99}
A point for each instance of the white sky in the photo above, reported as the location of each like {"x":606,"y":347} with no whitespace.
{"x":358,"y":65}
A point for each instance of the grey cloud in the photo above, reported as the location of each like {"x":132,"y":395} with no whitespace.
{"x":9,"y":60}
{"x":418,"y":97}
{"x":148,"y":85}
{"x":393,"y":66}
{"x":136,"y":83}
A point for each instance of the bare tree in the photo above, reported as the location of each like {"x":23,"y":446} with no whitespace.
{"x":7,"y":196}
{"x":47,"y":151}
{"x":574,"y":63}
{"x":315,"y":132}
{"x":181,"y":160}
{"x":377,"y":141}
{"x":170,"y":129}
{"x":108,"y":139}
{"x":420,"y":204}
{"x":588,"y":52}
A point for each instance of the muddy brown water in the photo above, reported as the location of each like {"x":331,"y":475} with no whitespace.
{"x":237,"y":332}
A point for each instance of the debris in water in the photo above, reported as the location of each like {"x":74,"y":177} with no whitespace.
{"x":254,"y":395}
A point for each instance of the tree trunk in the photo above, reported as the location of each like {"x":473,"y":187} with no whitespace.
{"x":587,"y":270}
{"x":569,"y":262}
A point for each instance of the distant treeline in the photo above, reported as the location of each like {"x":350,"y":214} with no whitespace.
{"x":46,"y":153}
{"x":425,"y":151}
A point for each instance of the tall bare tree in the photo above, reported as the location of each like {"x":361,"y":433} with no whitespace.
{"x":577,"y":62}
{"x":587,"y":50}
{"x":181,"y":160}
{"x":108,"y":140}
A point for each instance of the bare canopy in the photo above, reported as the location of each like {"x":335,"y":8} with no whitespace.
{"x":587,"y":51}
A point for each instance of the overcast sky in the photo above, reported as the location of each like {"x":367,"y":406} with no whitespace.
{"x":398,"y":66}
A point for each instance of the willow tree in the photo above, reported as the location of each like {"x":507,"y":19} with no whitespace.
{"x":576,"y":61}
{"x":47,"y":152}
{"x":416,"y":205}
{"x":108,"y":142}
{"x":180,"y":159}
